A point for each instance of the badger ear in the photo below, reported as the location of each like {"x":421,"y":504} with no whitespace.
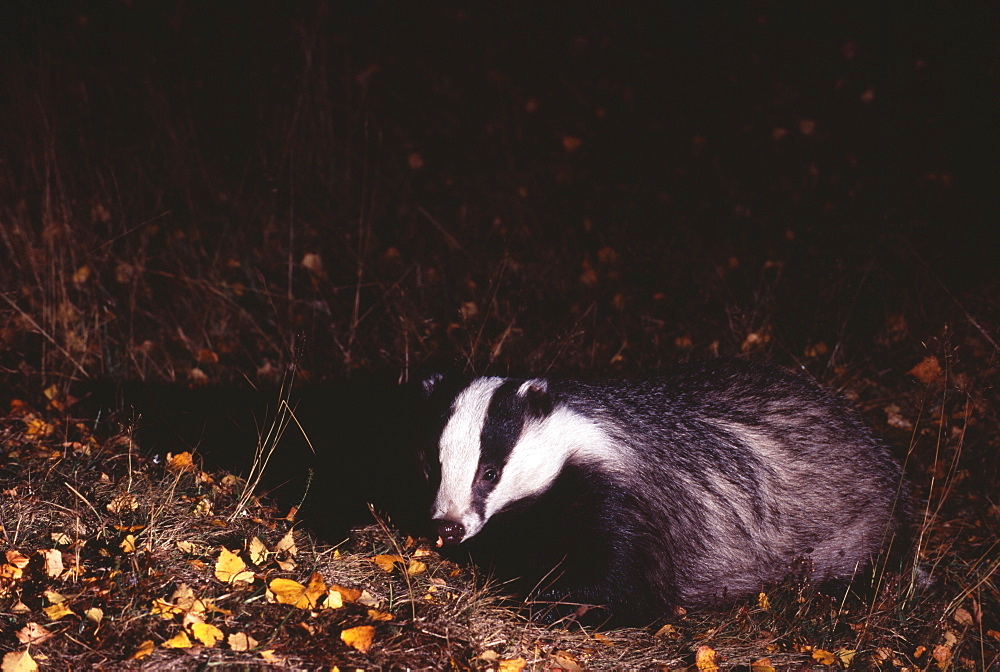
{"x":536,"y":393}
{"x":429,"y":383}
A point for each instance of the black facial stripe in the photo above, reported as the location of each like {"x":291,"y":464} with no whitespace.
{"x":502,"y":427}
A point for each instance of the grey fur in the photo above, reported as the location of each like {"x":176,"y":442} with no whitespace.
{"x":713,"y":479}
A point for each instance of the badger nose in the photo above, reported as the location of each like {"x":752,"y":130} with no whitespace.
{"x":449,"y":532}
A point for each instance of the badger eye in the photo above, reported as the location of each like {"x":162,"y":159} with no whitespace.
{"x":489,"y":474}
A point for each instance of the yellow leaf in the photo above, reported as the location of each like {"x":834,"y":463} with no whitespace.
{"x":144,"y":650}
{"x":334,"y":600}
{"x":240,"y":641}
{"x":348,"y":594}
{"x":762,"y":665}
{"x":763,"y":602}
{"x":377,"y":615}
{"x":286,"y":545}
{"x":846,"y":656}
{"x":57,"y":611}
{"x":180,"y":462}
{"x":164,"y":609}
{"x":360,"y":638}
{"x":128,"y":544}
{"x":206,"y":633}
{"x":178,"y":641}
{"x":257,"y":551}
{"x":512,"y":665}
{"x":17,"y":559}
{"x":53,"y":597}
{"x":18,"y":661}
{"x":35,"y":426}
{"x":53,"y":562}
{"x":416,"y":567}
{"x":704,"y":659}
{"x":269,"y":655}
{"x":824,"y":657}
{"x":10,"y":572}
{"x":387,"y":562}
{"x":229,"y":566}
{"x":287,"y":591}
{"x":94,"y":614}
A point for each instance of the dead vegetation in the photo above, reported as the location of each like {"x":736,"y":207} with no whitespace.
{"x":241,"y":195}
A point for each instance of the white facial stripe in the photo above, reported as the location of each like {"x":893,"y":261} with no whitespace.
{"x":544,"y":448}
{"x":459,"y":453}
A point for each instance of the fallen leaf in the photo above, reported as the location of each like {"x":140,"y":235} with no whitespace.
{"x":123,"y":503}
{"x":164,"y":609}
{"x":927,"y":371}
{"x":287,"y":591}
{"x":94,"y":614}
{"x":416,"y":567}
{"x":128,"y":544}
{"x":206,"y":633}
{"x":10,"y":572}
{"x":18,"y":661}
{"x":387,"y":562}
{"x":240,"y":641}
{"x":61,"y":539}
{"x":271,"y":656}
{"x":824,"y":657}
{"x":230,"y":568}
{"x":257,"y":551}
{"x":963,"y":617}
{"x":763,"y":602}
{"x":377,"y":615}
{"x":180,"y":462}
{"x":360,"y":638}
{"x":762,"y":665}
{"x":334,"y":600}
{"x":348,"y":594}
{"x":33,"y":633}
{"x":144,"y":650}
{"x":367,"y":599}
{"x":178,"y":641}
{"x":286,"y":545}
{"x":563,"y":660}
{"x":704,"y":659}
{"x":57,"y":611}
{"x":17,"y":559}
{"x":512,"y":665}
{"x":942,"y":656}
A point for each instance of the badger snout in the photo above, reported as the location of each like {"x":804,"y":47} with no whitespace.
{"x":449,"y":532}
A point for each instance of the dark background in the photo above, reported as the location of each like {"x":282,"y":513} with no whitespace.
{"x":503,"y":185}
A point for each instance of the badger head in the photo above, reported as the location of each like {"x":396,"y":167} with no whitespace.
{"x":504,"y":441}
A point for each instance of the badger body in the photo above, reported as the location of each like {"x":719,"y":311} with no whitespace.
{"x":704,"y":483}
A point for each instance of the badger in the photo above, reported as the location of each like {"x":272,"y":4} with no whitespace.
{"x":701,"y":484}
